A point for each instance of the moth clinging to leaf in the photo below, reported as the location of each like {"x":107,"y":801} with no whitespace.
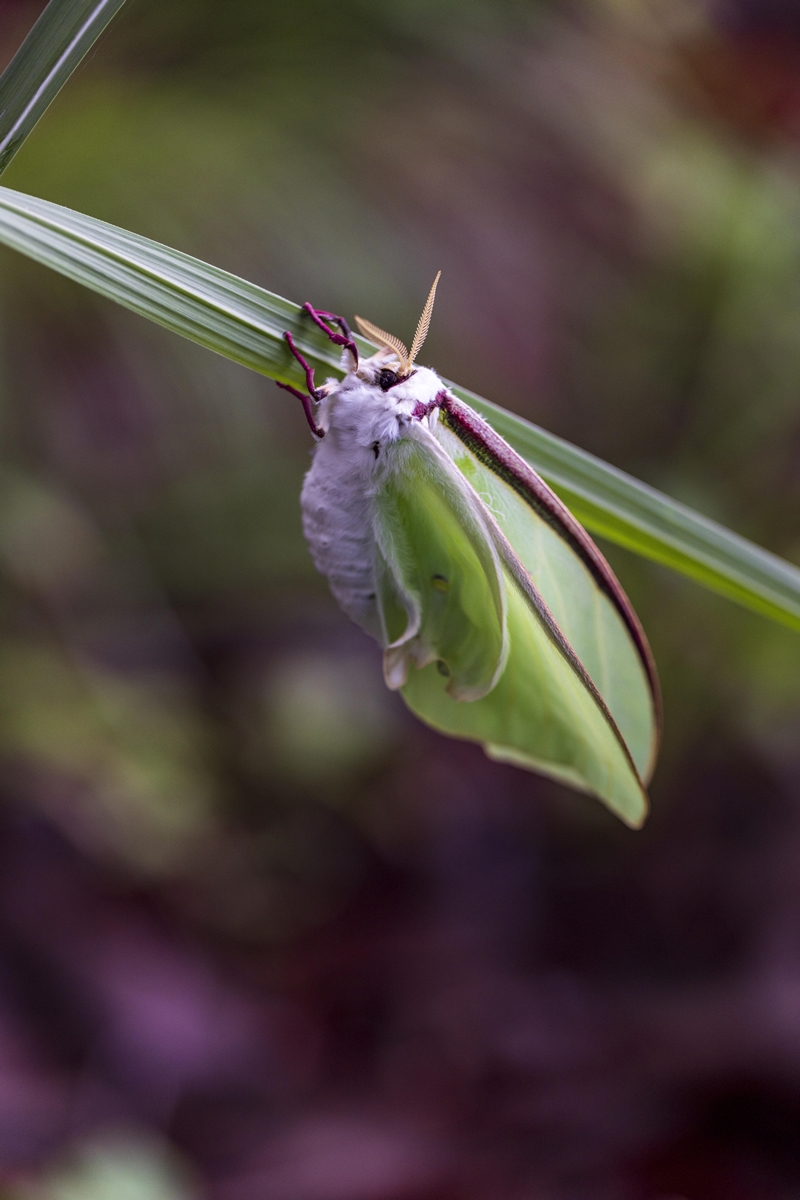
{"x":500,"y":620}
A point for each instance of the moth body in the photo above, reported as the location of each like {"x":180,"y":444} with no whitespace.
{"x":362,"y":426}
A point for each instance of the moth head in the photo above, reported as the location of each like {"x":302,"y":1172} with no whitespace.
{"x":397,"y":361}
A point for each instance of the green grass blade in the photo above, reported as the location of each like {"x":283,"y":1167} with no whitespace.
{"x":63,"y":35}
{"x":246,"y":323}
{"x":614,"y":505}
{"x":220,"y":311}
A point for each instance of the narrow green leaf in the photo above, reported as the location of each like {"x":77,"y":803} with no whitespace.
{"x":63,"y":35}
{"x":616,"y":506}
{"x":246,"y":323}
{"x":227,"y":314}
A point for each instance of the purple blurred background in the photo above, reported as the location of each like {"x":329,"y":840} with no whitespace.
{"x":262,"y":935}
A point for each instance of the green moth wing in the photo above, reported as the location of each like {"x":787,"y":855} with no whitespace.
{"x":439,"y":579}
{"x":494,"y":639}
{"x":568,"y":571}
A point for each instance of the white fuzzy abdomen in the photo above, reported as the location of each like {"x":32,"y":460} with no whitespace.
{"x":338,"y":527}
{"x":361,"y":422}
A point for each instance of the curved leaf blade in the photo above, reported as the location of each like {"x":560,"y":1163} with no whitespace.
{"x":246,"y":323}
{"x":209,"y":306}
{"x":55,"y":46}
{"x":632,"y":514}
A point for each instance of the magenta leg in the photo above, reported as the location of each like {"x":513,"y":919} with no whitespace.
{"x":339,"y":339}
{"x":424,"y":410}
{"x":307,"y":409}
{"x":305,"y":400}
{"x":309,"y":371}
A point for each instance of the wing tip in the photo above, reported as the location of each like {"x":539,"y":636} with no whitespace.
{"x":634,"y":822}
{"x":634,"y":816}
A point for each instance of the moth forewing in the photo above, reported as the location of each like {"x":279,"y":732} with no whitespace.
{"x":634,"y":812}
{"x":534,"y":704}
{"x":399,"y":613}
{"x":435,"y":551}
{"x":542,"y":714}
{"x":574,"y":580}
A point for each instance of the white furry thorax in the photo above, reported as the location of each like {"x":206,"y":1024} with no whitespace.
{"x":357,"y":412}
{"x":361,"y":422}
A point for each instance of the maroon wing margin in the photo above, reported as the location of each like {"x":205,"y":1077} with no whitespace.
{"x":490,"y":449}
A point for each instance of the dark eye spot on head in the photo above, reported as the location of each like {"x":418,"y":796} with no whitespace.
{"x":440,"y":583}
{"x":376,"y":448}
{"x":387,"y":379}
{"x":442,"y":667}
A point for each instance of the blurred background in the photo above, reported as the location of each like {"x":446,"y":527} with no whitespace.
{"x":262,"y":935}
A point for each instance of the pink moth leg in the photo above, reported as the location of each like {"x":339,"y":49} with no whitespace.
{"x":339,"y":339}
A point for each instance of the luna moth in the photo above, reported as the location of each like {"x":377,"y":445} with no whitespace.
{"x":500,"y":620}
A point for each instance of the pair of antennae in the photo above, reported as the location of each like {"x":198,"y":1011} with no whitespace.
{"x":387,"y":341}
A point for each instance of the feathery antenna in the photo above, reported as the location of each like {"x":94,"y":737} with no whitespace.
{"x":424,"y":324}
{"x":387,"y":341}
{"x":379,"y":337}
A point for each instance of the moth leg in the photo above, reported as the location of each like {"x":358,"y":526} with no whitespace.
{"x":308,"y":370}
{"x":314,"y":393}
{"x":424,"y":410}
{"x":307,"y":409}
{"x":345,"y":338}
